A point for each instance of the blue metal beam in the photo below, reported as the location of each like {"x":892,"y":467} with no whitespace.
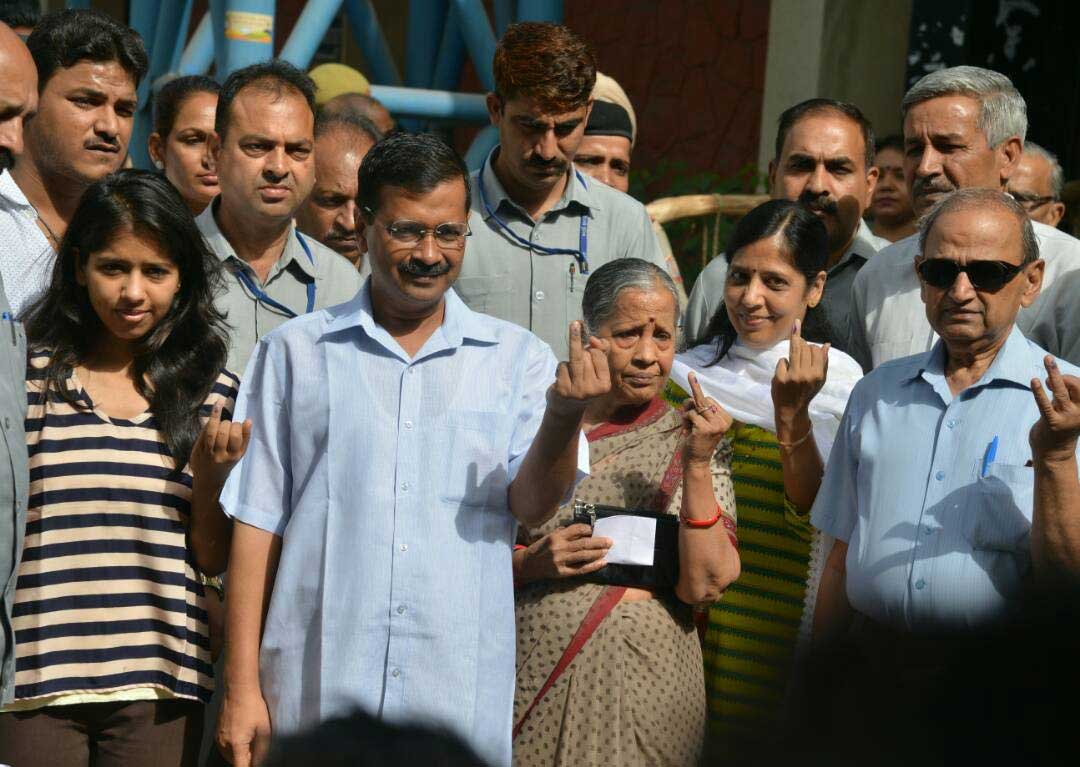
{"x":426,"y":21}
{"x":540,"y":10}
{"x":448,"y":65}
{"x":369,"y":36}
{"x":309,"y":31}
{"x":435,"y":105}
{"x":180,"y":37}
{"x":479,"y":39}
{"x":243,"y":33}
{"x":199,"y":53}
{"x":157,"y":22}
{"x":505,"y":11}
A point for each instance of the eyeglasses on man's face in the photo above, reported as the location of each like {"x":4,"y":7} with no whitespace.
{"x":988,"y":276}
{"x":1030,"y":202}
{"x":411,"y":233}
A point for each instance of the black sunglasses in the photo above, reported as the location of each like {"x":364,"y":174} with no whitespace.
{"x":989,"y":276}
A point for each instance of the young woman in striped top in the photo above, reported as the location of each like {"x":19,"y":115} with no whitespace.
{"x":130,"y":442}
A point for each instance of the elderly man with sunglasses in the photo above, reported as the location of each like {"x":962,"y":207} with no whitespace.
{"x":953,"y":480}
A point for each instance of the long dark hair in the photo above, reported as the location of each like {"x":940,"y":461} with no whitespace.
{"x":806,"y":243}
{"x":177,"y":362}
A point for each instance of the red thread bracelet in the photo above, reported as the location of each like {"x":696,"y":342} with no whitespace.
{"x":702,"y":523}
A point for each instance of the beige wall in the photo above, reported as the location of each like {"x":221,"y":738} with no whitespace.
{"x":853,"y":50}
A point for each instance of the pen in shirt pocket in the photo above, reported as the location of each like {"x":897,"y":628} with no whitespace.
{"x":989,"y":456}
{"x":6,"y":316}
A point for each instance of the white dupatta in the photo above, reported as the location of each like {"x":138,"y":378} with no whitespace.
{"x":742,"y":384}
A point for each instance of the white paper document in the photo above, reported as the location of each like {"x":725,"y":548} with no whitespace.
{"x":634,"y":537}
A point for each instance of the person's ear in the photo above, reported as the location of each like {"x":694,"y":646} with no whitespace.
{"x":1033,"y":278}
{"x":494,"y":107}
{"x":156,"y":149}
{"x":815,"y":290}
{"x":361,"y":224}
{"x":771,"y":177}
{"x":1008,"y":157}
{"x":873,"y":175}
{"x":1057,"y":212}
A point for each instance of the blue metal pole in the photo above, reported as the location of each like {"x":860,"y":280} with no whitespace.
{"x":199,"y":53}
{"x":309,"y":31}
{"x":78,"y":4}
{"x":481,"y":146}
{"x":540,"y":10}
{"x":505,"y":12}
{"x":448,"y":65}
{"x":426,"y":21}
{"x":479,"y":39}
{"x":180,"y":37}
{"x":369,"y":36}
{"x":243,"y":33}
{"x":435,"y":105}
{"x":155,"y":22}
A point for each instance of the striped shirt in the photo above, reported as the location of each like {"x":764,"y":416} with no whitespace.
{"x":108,"y":603}
{"x":750,"y":643}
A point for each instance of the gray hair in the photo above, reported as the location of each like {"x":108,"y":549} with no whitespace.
{"x":974,"y":199}
{"x":608,"y":281}
{"x":1003,"y":113}
{"x":1057,"y":176}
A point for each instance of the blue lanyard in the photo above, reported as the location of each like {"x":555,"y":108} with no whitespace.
{"x":581,"y":254}
{"x":261,"y":296}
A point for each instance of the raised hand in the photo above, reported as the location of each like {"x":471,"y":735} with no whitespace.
{"x":1054,"y":435}
{"x":567,"y":551}
{"x":584,"y":377}
{"x":800,"y":377}
{"x":219,"y":447}
{"x":706,"y":423}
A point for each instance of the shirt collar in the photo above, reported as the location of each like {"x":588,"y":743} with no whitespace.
{"x":577,"y":193}
{"x":1014,"y":364}
{"x":224,"y":250}
{"x":10,"y":191}
{"x":460,"y":323}
{"x":862,"y":246}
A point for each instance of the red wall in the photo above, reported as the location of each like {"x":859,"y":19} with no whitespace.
{"x":694,"y":70}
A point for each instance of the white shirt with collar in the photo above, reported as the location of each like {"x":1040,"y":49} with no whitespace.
{"x":887,"y":300}
{"x":26,"y":256}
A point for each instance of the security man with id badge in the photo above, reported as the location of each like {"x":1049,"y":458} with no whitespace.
{"x":539,"y":226}
{"x":264,"y":156}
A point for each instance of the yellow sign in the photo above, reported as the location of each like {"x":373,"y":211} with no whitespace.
{"x":250,"y":27}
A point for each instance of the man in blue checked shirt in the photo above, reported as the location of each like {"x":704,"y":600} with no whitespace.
{"x":397,"y":440}
{"x":953,"y":480}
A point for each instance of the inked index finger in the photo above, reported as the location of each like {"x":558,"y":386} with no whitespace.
{"x":695,"y":390}
{"x":577,"y":350}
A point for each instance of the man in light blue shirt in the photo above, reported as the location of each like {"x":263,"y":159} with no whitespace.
{"x":943,"y":498}
{"x":397,"y":440}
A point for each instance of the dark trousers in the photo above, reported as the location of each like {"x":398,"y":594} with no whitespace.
{"x":124,"y":734}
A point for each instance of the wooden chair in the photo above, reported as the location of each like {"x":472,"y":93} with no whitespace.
{"x":709,"y":209}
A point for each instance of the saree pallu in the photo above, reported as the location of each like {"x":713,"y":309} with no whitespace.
{"x":635,"y":693}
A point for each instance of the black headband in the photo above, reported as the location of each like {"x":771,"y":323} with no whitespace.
{"x":607,"y":119}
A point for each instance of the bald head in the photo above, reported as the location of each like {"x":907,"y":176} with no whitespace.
{"x":361,"y":105}
{"x":18,"y":94}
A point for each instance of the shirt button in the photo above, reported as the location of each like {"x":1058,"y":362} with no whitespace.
{"x":401,"y":610}
{"x":539,"y":295}
{"x":7,"y":422}
{"x":951,"y":423}
{"x":404,"y":547}
{"x":395,"y":673}
{"x":408,"y":424}
{"x":405,"y":487}
{"x":927,"y":529}
{"x":919,"y":584}
{"x":939,"y":476}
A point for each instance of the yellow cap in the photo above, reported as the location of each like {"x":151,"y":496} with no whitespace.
{"x":335,"y":79}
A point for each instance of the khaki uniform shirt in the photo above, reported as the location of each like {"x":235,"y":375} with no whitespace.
{"x":336,"y":281}
{"x":520,"y":283}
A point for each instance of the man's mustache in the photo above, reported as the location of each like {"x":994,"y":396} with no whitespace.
{"x":818,"y":203}
{"x":538,"y":162}
{"x":418,"y":268}
{"x":931,"y":185}
{"x":341,"y":235}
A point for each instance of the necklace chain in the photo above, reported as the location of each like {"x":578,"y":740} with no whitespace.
{"x":48,"y":229}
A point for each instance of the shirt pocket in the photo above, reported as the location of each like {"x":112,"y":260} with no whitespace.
{"x":999,"y":517}
{"x":474,"y":469}
{"x":488,"y":294}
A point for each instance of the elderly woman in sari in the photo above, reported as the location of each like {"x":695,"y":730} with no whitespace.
{"x":786,"y":397}
{"x":610,"y":674}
